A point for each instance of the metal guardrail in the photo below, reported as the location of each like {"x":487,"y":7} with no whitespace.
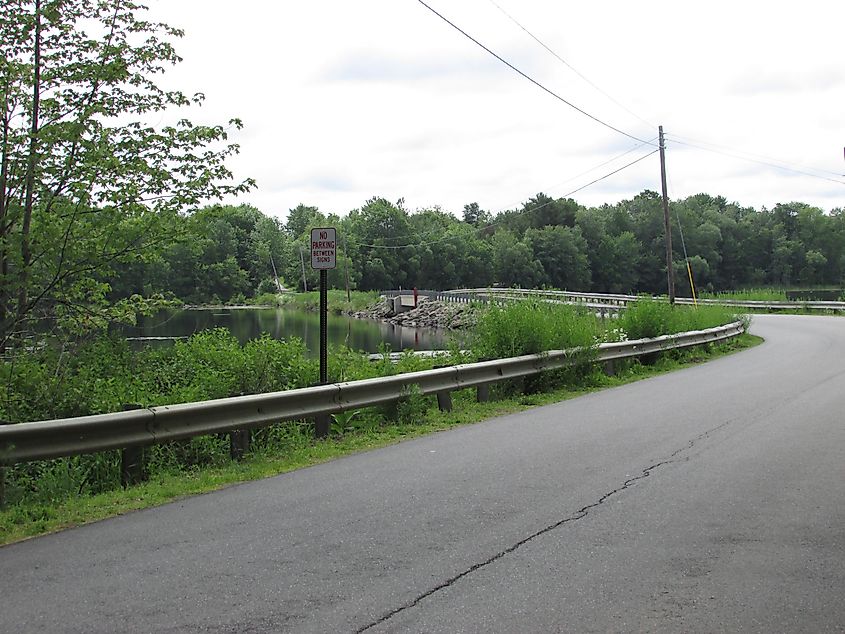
{"x":396,"y":357}
{"x":594,"y":300}
{"x":503,"y":295}
{"x":769,"y":305}
{"x":453,"y":297}
{"x":23,"y":442}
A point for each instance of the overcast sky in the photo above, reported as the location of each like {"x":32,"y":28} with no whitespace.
{"x":343,"y":100}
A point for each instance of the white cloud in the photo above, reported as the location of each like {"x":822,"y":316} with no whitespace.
{"x":345,"y":100}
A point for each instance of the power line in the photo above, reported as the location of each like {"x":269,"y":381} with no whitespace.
{"x":751,"y":160}
{"x":532,"y":210}
{"x":684,"y":246}
{"x":610,"y":174}
{"x":492,"y":224}
{"x":592,"y":169}
{"x":529,"y":78}
{"x":615,"y":158}
{"x":553,"y":187}
{"x":570,"y":66}
{"x":724,"y":148}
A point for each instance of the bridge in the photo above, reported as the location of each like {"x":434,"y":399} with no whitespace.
{"x":603,"y":304}
{"x":709,"y":499}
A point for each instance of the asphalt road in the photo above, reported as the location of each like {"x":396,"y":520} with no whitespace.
{"x":708,"y":500}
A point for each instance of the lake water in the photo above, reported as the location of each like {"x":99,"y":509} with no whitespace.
{"x":366,"y":335}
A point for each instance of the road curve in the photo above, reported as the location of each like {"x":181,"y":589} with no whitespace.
{"x":706,"y":500}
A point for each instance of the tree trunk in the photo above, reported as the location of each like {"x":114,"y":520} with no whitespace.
{"x":4,"y":230}
{"x":26,"y":245}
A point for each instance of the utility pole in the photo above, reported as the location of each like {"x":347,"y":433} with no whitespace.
{"x":275,"y":275}
{"x":302,"y":262}
{"x":346,"y":266}
{"x":666,"y":225}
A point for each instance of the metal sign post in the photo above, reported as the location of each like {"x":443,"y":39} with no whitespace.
{"x":324,"y":313}
{"x":323,"y":258}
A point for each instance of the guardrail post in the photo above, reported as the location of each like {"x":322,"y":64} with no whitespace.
{"x":444,"y":401}
{"x":132,"y":459}
{"x":482,"y":393}
{"x":239,"y":443}
{"x":321,"y":426}
{"x":609,"y":367}
{"x":132,"y":466}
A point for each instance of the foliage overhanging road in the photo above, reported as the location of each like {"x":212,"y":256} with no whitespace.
{"x":710,"y":499}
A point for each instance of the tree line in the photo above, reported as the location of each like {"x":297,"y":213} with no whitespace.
{"x":231,"y":253}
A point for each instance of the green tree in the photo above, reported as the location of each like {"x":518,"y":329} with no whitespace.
{"x":267,"y":247}
{"x":86,"y":183}
{"x":614,"y":254}
{"x":475,"y":215}
{"x":303,"y":218}
{"x":514,"y":263}
{"x":383,"y":241}
{"x":544,"y":211}
{"x":814,"y":268}
{"x":646,"y":213}
{"x":620,"y":256}
{"x":562,"y":252}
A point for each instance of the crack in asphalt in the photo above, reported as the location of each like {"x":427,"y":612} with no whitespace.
{"x":578,"y":515}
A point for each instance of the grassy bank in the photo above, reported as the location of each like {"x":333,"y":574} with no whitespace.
{"x":337,"y":300}
{"x":749,"y":295}
{"x":795,"y":294}
{"x":297,"y":449}
{"x":105,"y":375}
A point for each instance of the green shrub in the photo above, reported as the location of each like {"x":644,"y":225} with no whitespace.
{"x":413,"y":407}
{"x":703,"y":317}
{"x":266,"y":299}
{"x":750,"y":294}
{"x":648,"y":318}
{"x":267,"y":286}
{"x":532,"y":327}
{"x":337,"y":300}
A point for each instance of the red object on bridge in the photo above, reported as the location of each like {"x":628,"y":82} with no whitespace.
{"x":415,"y":297}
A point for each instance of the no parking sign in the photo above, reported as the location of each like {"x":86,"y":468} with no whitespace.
{"x":324,"y":248}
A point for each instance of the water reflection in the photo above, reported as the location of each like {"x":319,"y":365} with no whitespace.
{"x":359,"y":334}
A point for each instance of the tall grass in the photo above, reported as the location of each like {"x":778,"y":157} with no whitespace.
{"x":337,"y":300}
{"x":749,"y":294}
{"x":106,"y":375}
{"x":531,"y":327}
{"x":651,"y":318}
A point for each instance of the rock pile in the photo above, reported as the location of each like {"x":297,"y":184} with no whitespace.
{"x":427,"y":314}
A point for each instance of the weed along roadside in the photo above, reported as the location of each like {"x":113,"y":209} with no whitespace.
{"x":46,"y":495}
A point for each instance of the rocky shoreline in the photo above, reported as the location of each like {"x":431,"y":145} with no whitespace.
{"x":427,"y":314}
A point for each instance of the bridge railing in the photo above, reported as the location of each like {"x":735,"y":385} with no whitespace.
{"x":129,"y":430}
{"x":603,"y":306}
{"x":454,"y":297}
{"x":621,"y":301}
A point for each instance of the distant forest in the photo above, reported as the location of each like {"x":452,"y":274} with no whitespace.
{"x":227,"y":253}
